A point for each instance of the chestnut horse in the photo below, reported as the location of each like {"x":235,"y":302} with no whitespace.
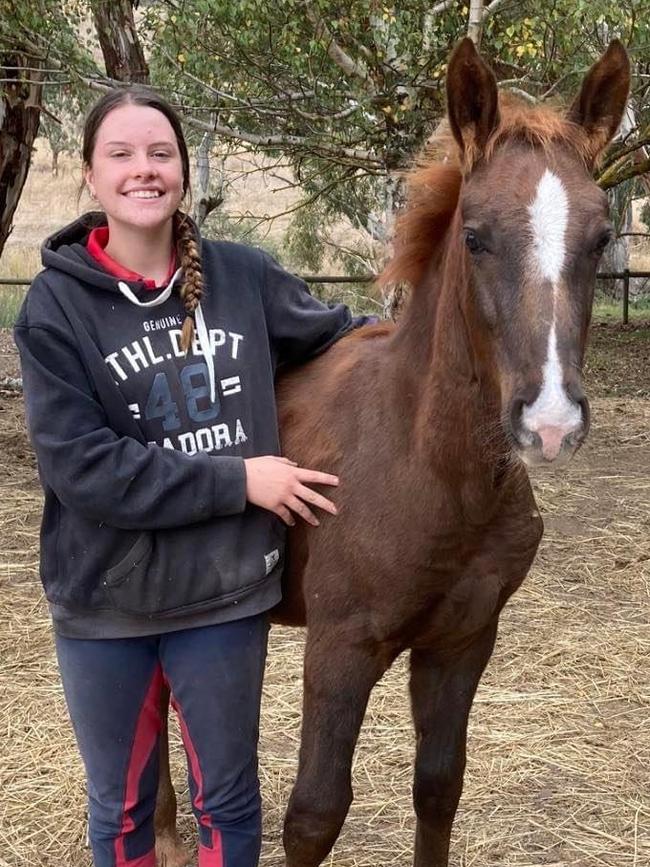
{"x":429,"y":425}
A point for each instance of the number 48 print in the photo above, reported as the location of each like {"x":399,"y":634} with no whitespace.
{"x":194,"y":381}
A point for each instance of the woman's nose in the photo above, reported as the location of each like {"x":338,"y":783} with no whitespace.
{"x":144,"y":167}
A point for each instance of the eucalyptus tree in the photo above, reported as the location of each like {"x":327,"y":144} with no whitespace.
{"x":336,"y":95}
{"x":342,"y":95}
{"x":42,"y":55}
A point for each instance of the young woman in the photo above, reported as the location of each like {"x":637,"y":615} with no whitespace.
{"x":148,"y":359}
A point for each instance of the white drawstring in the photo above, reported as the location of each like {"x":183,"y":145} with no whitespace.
{"x":201,"y":327}
{"x":204,"y":341}
{"x":126,"y":290}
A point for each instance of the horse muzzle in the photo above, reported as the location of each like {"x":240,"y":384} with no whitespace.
{"x":551,"y":436}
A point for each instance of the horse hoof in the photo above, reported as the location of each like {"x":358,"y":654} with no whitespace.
{"x":171,"y":852}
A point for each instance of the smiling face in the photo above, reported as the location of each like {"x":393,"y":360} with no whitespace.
{"x":136,"y":170}
{"x":535,"y":225}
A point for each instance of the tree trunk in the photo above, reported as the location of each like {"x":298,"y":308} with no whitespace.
{"x":118,"y":38}
{"x":475,"y":21}
{"x":20,"y":112}
{"x":204,"y":202}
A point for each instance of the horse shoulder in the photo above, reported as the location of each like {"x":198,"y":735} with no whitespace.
{"x":316,"y":399}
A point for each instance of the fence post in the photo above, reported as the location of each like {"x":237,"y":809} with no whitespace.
{"x":626,"y":295}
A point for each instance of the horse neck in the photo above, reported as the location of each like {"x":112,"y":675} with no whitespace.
{"x":445,"y":358}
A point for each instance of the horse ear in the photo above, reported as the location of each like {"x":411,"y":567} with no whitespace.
{"x":472,"y":100}
{"x":599,"y":106}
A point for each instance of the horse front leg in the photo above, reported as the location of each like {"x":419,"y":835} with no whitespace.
{"x":337,"y":683}
{"x":170,"y":850}
{"x":441,"y":698}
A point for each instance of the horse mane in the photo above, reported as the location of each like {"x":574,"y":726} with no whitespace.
{"x":433,"y":186}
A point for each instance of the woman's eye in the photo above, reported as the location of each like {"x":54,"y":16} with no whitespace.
{"x":473,"y":242}
{"x":162,"y":155}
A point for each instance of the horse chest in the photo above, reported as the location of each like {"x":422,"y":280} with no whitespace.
{"x":470,"y":602}
{"x":462,"y":582}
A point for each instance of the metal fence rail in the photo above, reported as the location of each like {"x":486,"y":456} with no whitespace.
{"x":625,"y":275}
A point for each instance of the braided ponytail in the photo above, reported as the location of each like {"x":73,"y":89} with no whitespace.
{"x":190,"y":260}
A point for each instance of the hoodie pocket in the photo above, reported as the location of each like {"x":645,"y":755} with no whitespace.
{"x":126,"y":583}
{"x":190,"y":568}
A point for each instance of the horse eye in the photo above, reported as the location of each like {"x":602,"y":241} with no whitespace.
{"x":603,"y":241}
{"x":473,"y":242}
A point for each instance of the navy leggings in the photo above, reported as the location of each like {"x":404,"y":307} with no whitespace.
{"x":112,"y":687}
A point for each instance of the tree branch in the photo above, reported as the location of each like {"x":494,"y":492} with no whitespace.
{"x":119,"y":41}
{"x":338,"y":115}
{"x":521,"y":93}
{"x":269,"y":140}
{"x":475,"y":21}
{"x":616,"y":174}
{"x":617,"y":153}
{"x":303,"y":203}
{"x":478,"y":15}
{"x":354,"y":155}
{"x":491,"y":8}
{"x":440,"y":7}
{"x":334,"y":50}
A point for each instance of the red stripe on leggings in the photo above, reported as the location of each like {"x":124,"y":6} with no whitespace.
{"x":144,"y":741}
{"x":148,"y":860}
{"x":207,"y":857}
{"x":192,"y":757}
{"x":212,"y":857}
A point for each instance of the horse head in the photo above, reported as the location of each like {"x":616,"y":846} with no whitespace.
{"x":531,"y":225}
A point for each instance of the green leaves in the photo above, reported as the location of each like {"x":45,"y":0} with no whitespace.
{"x":347,"y":91}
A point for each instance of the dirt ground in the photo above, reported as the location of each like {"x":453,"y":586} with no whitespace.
{"x":9,"y":364}
{"x":559,"y":749}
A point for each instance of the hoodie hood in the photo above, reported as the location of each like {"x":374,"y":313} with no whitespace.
{"x":66,"y":251}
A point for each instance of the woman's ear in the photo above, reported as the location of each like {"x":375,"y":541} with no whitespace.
{"x":88,"y":180}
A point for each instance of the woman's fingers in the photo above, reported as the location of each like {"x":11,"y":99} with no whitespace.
{"x":313,"y":477}
{"x":303,"y":510}
{"x":316,"y":499}
{"x":282,"y":486}
{"x":285,"y":514}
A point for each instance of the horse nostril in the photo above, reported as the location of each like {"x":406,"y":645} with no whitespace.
{"x":583,"y":403}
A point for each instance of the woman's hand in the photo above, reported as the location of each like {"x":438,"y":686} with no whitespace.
{"x":280,"y":485}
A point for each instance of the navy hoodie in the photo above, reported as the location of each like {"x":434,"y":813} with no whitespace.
{"x":140,"y":448}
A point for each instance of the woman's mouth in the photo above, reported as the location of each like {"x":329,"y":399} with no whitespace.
{"x":143,"y":194}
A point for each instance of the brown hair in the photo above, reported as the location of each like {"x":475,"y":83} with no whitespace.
{"x":187,"y":244}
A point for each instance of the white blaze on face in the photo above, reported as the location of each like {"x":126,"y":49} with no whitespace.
{"x":549,"y":215}
{"x":553,"y":414}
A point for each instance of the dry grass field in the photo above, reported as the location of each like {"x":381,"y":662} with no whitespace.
{"x":559,"y":749}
